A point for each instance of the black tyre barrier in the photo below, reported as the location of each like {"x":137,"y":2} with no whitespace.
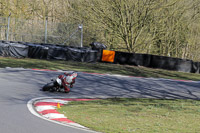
{"x":195,"y":67}
{"x":132,"y":59}
{"x":184,"y":65}
{"x":48,"y":51}
{"x":75,"y":54}
{"x":154,"y":61}
{"x":121,"y":57}
{"x":99,"y":55}
{"x":57,"y":53}
{"x":37,"y":51}
{"x":90,"y":56}
{"x":169,"y":63}
{"x":13,"y":49}
{"x":18,"y":50}
{"x":4,"y":49}
{"x":163,"y":62}
{"x":140,"y":60}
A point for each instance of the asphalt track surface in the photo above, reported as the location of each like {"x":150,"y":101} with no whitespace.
{"x":18,"y":86}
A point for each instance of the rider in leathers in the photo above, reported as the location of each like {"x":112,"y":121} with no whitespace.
{"x":68,"y":79}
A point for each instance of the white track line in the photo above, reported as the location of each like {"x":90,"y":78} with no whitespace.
{"x":55,"y":101}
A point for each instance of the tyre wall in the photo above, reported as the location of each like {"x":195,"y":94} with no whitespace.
{"x":47,"y":51}
{"x":85,"y":54}
{"x":153,"y":61}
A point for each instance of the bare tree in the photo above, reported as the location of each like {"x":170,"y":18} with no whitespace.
{"x":172,"y":28}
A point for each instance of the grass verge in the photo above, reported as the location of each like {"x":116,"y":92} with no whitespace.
{"x":96,"y":67}
{"x":136,"y":115}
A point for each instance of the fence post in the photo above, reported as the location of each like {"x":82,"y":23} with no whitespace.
{"x":81,"y":28}
{"x":45,"y":39}
{"x":8,"y":28}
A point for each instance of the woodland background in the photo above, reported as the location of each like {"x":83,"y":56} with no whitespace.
{"x":159,"y":27}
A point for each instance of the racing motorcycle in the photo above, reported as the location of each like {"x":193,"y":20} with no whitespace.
{"x":61,"y":82}
{"x":54,"y":85}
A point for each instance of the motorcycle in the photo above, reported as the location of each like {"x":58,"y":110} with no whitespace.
{"x":61,"y":82}
{"x":54,"y":85}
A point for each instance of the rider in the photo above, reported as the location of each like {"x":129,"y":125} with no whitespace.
{"x":68,"y":79}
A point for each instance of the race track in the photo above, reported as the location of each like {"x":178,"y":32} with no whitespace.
{"x":18,"y":86}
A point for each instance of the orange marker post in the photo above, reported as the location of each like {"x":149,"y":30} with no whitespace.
{"x":58,"y":105}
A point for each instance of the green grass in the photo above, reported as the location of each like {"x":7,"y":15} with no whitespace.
{"x":96,"y":67}
{"x":136,"y":115}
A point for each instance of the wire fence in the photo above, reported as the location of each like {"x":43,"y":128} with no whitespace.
{"x":41,"y":31}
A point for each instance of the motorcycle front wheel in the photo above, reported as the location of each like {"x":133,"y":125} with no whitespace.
{"x":48,"y":86}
